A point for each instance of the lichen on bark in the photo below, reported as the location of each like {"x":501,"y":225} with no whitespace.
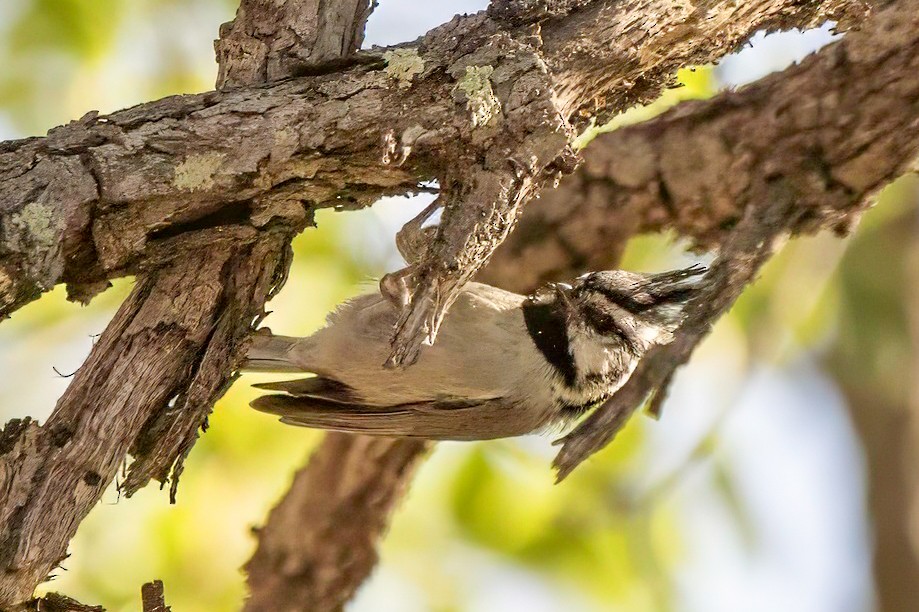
{"x":402,"y":65}
{"x":480,"y":96}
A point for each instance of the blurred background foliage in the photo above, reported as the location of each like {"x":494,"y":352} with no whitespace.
{"x":754,"y":492}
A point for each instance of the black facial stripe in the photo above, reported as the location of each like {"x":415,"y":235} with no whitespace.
{"x":605,"y":324}
{"x":549,"y":330}
{"x":624,"y":301}
{"x":675,"y":296}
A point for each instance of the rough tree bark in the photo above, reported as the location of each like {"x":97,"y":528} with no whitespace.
{"x":288,"y":568}
{"x":319,"y":543}
{"x":487,"y":105}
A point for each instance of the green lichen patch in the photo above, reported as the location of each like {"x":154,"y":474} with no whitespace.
{"x":402,"y":65}
{"x":480,"y":97}
{"x":197,"y":171}
{"x":35,"y":220}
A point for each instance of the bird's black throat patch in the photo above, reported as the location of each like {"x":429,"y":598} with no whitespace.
{"x":548,"y":328}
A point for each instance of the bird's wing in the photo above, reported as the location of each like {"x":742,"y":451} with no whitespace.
{"x":316,"y":387}
{"x":435,"y":420}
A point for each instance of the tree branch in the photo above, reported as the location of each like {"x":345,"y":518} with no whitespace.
{"x":53,"y":475}
{"x":272,"y":40}
{"x":55,"y":602}
{"x":817,"y":143}
{"x":238,"y":172}
{"x":607,"y":56}
{"x":95,"y":199}
{"x":319,"y":543}
{"x":153,"y":598}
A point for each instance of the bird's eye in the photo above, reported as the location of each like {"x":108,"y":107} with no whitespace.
{"x":601,"y":322}
{"x":605,"y":324}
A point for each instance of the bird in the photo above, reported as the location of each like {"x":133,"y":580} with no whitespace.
{"x":503,"y":364}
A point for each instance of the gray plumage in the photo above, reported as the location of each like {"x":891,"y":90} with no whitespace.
{"x":503,"y":364}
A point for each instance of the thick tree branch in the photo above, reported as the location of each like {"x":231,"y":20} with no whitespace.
{"x":251,"y":275}
{"x":94,"y":199}
{"x":319,"y":543}
{"x":817,"y":143}
{"x":607,"y":56}
{"x":53,"y":475}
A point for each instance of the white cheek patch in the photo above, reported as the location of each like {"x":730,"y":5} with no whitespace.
{"x":654,"y":335}
{"x":590,"y":356}
{"x":647,"y":334}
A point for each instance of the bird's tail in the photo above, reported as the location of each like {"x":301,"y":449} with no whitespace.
{"x":270,"y":353}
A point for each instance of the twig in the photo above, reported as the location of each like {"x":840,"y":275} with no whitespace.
{"x":153,"y":598}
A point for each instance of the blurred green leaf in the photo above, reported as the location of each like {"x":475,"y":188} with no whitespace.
{"x":724,"y":484}
{"x":84,"y":28}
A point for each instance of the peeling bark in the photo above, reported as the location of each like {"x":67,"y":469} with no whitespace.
{"x":274,"y":39}
{"x":53,"y":475}
{"x":607,"y":56}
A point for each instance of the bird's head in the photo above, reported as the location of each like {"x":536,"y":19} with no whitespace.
{"x":629,"y":309}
